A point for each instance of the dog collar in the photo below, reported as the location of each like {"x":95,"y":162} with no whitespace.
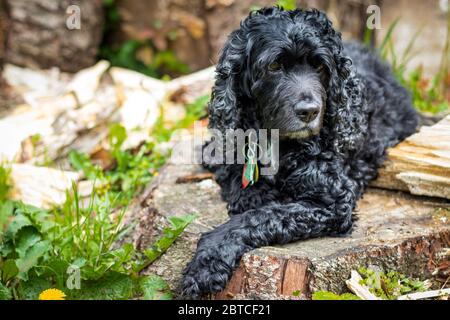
{"x":250,"y":173}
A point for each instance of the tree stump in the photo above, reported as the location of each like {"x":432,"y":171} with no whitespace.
{"x":39,"y":37}
{"x":395,"y":231}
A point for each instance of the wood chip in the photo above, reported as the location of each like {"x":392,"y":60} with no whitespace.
{"x":195,"y":178}
{"x":361,"y":291}
{"x":425,"y":295}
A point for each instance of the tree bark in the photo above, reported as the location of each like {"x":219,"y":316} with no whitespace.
{"x":3,"y":28}
{"x":40,"y":38}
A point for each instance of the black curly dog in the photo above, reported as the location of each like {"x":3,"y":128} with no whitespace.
{"x":337,"y":107}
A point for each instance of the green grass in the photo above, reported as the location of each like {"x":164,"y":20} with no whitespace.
{"x":39,"y":246}
{"x":429,"y":95}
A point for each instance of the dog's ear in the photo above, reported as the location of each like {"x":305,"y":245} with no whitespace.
{"x":346,"y":108}
{"x":345,"y":117}
{"x":224,"y":105}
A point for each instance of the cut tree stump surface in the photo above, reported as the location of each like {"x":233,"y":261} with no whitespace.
{"x":394,"y":231}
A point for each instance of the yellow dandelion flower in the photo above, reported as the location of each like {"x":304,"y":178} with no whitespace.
{"x":52,"y":294}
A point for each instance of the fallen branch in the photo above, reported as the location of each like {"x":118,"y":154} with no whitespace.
{"x":361,"y":291}
{"x":425,"y":295}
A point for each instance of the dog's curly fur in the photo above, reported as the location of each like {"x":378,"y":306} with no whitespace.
{"x":320,"y":178}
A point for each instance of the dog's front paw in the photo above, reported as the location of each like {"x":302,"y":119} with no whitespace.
{"x":207,"y":273}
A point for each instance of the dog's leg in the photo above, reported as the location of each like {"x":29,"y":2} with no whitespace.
{"x":219,"y":251}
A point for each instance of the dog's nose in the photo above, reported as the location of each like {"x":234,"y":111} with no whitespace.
{"x":307,"y":111}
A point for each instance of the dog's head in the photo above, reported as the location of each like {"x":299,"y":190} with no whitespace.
{"x":288,"y":81}
{"x":284,"y":68}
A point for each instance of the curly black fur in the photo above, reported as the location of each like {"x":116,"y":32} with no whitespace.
{"x":322,"y":176}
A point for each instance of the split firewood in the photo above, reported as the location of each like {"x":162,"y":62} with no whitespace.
{"x":44,"y":187}
{"x":85,"y":83}
{"x":52,"y":119}
{"x":75,"y":113}
{"x":361,"y":291}
{"x":420,"y":164}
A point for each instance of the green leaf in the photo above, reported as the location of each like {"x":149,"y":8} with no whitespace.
{"x":30,"y":290}
{"x":155,"y":288}
{"x":20,"y":221}
{"x":31,"y":258}
{"x":287,"y":4}
{"x":79,"y":262}
{"x":26,"y":238}
{"x":117,"y":136}
{"x":123,"y":254}
{"x":5,"y":293}
{"x":81,"y":162}
{"x":296,"y":293}
{"x":39,"y":218}
{"x":9,"y":270}
{"x":6,"y":211}
{"x":178,"y":224}
{"x":326,"y":295}
{"x":5,"y":184}
{"x":112,"y":286}
{"x":54,"y":268}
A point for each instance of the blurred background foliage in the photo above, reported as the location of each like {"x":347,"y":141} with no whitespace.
{"x":154,"y":47}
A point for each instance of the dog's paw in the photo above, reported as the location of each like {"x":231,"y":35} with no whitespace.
{"x":207,"y":273}
{"x":189,"y":288}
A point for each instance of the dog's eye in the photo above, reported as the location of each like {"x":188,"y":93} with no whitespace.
{"x":320,"y":68}
{"x":275,"y":66}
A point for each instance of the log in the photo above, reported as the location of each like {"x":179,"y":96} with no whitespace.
{"x":420,"y":164}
